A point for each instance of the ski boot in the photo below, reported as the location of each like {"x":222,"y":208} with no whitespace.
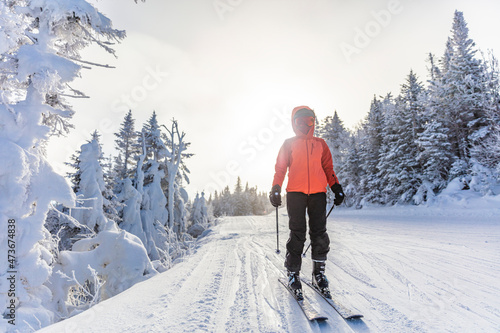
{"x":319,"y":280}
{"x":295,"y":285}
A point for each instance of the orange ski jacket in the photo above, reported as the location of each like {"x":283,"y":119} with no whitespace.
{"x":308,"y":161}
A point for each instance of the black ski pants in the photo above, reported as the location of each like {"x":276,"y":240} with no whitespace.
{"x":297,"y":203}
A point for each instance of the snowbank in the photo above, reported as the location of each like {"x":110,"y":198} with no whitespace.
{"x":117,"y":259}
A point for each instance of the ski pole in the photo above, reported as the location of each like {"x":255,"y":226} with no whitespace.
{"x":308,"y":246}
{"x":277,"y":234}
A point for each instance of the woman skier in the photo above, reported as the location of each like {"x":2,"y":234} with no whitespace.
{"x":310,"y":171}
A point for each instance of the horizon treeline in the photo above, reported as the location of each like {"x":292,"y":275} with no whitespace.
{"x":243,"y":201}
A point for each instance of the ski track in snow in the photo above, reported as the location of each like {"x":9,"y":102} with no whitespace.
{"x":404,"y":274}
{"x":419,"y":274}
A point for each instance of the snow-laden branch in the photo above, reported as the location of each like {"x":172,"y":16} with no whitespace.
{"x":172,"y":162}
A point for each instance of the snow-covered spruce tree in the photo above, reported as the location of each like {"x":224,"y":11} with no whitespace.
{"x":336,"y":136}
{"x":399,"y":170}
{"x":41,"y":42}
{"x":216,"y":205}
{"x":254,"y":206}
{"x":125,"y":171}
{"x":485,"y":153}
{"x":226,"y":199}
{"x":130,"y":215}
{"x":370,"y":145}
{"x":464,"y":87}
{"x":239,"y":200}
{"x":154,"y":214}
{"x":90,"y":200}
{"x":250,"y":195}
{"x":181,"y":211}
{"x":111,"y":205}
{"x":413,"y":101}
{"x":260,"y":202}
{"x":385,"y":167}
{"x":352,"y":172}
{"x":127,"y":147}
{"x":435,"y":155}
{"x":198,"y":215}
{"x":74,"y":176}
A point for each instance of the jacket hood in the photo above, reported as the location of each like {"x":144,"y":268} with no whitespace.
{"x":298,"y":133}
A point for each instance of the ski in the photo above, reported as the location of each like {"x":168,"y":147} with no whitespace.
{"x":304,"y":304}
{"x":342,"y":310}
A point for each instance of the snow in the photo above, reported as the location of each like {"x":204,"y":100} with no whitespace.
{"x":406,"y":268}
{"x":117,"y":257}
{"x":90,"y":189}
{"x":27,"y":185}
{"x":32,"y":58}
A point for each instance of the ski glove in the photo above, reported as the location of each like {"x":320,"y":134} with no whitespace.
{"x":275,"y":196}
{"x":339,"y":194}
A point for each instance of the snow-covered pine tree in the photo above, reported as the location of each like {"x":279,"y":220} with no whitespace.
{"x":239,"y":201}
{"x":485,"y":155}
{"x":370,"y":145}
{"x":227,"y":206}
{"x":386,"y":163}
{"x":464,"y":88}
{"x":488,"y":152}
{"x":215,"y":204}
{"x":125,"y":170}
{"x":90,"y":198}
{"x":254,"y":206}
{"x":40,"y":57}
{"x":127,"y":148}
{"x":435,"y":155}
{"x":336,"y":137}
{"x":250,"y":196}
{"x":130,"y":216}
{"x":181,"y":212}
{"x":199,"y":214}
{"x":154,"y":214}
{"x":74,"y":176}
{"x":399,"y":170}
{"x":112,"y":206}
{"x":352,"y":172}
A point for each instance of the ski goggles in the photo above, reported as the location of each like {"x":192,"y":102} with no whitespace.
{"x":304,"y":121}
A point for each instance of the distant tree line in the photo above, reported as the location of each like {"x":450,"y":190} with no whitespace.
{"x":243,"y":201}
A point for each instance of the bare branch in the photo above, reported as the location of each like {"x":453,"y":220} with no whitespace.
{"x":77,"y":92}
{"x":73,"y":96}
{"x":85,"y":62}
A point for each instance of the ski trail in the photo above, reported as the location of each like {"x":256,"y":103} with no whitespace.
{"x":418,"y":274}
{"x":230,"y":284}
{"x":403,"y":274}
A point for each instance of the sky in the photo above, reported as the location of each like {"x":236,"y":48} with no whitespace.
{"x":231,"y":71}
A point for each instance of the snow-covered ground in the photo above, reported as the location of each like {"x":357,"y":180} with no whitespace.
{"x":407,"y":269}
